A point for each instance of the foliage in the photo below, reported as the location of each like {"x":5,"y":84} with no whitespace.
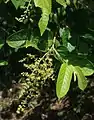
{"x":61,"y":28}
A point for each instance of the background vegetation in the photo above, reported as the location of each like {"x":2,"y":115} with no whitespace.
{"x":46,"y":59}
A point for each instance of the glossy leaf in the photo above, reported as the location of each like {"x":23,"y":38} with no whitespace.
{"x":64,"y":80}
{"x":82,"y":82}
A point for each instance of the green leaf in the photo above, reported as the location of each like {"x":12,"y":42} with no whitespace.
{"x":65,"y":35}
{"x":88,"y":36}
{"x":74,"y":2}
{"x":82,"y":82}
{"x":64,"y":80}
{"x":1,"y":43}
{"x":85,"y":65}
{"x":68,"y":2}
{"x":18,"y":3}
{"x":17,"y":39}
{"x":87,"y":71}
{"x":43,"y":23}
{"x":62,"y":2}
{"x":62,"y":50}
{"x":70,"y":47}
{"x":3,"y":63}
{"x":45,"y":41}
{"x":46,"y":6}
{"x":42,"y":43}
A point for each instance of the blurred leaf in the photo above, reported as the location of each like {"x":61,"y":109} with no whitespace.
{"x":68,"y":2}
{"x":70,"y":47}
{"x":75,"y":1}
{"x":3,"y":63}
{"x":62,"y":2}
{"x":86,"y":48}
{"x":1,"y":43}
{"x":88,"y":36}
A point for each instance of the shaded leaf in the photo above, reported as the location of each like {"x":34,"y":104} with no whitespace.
{"x":45,"y":41}
{"x":88,"y":36}
{"x":1,"y":43}
{"x":74,"y":2}
{"x":65,"y":35}
{"x":70,"y":47}
{"x":41,"y":43}
{"x":17,"y":39}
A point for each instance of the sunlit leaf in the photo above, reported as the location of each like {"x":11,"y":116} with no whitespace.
{"x":82,"y":81}
{"x":18,"y":3}
{"x":87,"y":71}
{"x":64,"y":80}
{"x":43,"y":23}
{"x":46,"y":6}
{"x":62,"y":2}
